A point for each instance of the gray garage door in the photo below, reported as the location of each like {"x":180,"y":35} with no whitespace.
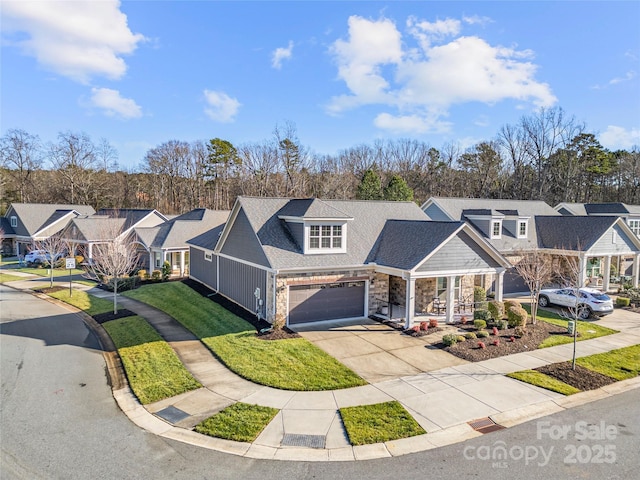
{"x":313,"y":303}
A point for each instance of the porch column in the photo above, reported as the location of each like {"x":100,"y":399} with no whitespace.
{"x":582,"y":271}
{"x":636,"y":271}
{"x":90,"y":250}
{"x":606,"y":275}
{"x":152,"y":265}
{"x":182,"y":263}
{"x":451,"y":285}
{"x":499,"y":286}
{"x":410,"y":302}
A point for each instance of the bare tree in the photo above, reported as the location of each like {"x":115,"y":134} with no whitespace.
{"x":536,"y":269}
{"x":54,"y":248}
{"x":74,"y":158}
{"x":570,"y":271}
{"x":114,"y":258}
{"x":21,"y":155}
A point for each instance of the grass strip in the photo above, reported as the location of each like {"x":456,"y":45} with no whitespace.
{"x":90,"y":304}
{"x":240,"y":422}
{"x":586,"y":330}
{"x":7,"y":277}
{"x":544,"y":381}
{"x":289,"y":364}
{"x":153,"y":369}
{"x":620,"y":364}
{"x":57,"y":272}
{"x":377,"y":423}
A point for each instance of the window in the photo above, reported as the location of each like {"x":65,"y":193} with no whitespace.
{"x":496,"y":229}
{"x":14,"y":222}
{"x":325,"y":237}
{"x":522,"y":229}
{"x":634,"y":225}
{"x":441,"y":288}
{"x":208,"y":257}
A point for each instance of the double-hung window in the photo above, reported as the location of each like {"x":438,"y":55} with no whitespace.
{"x":496,"y":229}
{"x":325,"y":237}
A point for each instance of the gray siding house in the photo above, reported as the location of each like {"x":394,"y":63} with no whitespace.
{"x":602,"y":243}
{"x":309,"y":260}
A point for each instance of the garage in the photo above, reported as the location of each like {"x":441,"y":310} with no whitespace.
{"x":329,"y":301}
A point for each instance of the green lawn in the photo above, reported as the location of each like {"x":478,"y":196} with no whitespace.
{"x":240,"y":422}
{"x":7,"y":277}
{"x":153,"y":369}
{"x":84,"y":301}
{"x":57,"y":272}
{"x":587,"y":330}
{"x":619,"y":364}
{"x":544,"y":381}
{"x":291,"y":364}
{"x":381,"y":422}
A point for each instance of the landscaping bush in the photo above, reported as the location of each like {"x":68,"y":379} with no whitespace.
{"x":479,"y":297}
{"x":166,"y":271}
{"x":433,"y":323}
{"x":502,"y":324}
{"x":517,"y":316}
{"x":460,"y":338}
{"x":494,"y":331}
{"x":424,"y":326}
{"x":623,"y":302}
{"x":470,"y":336}
{"x":496,"y":309}
{"x":482,"y":334}
{"x":480,"y":324}
{"x":143,"y":274}
{"x":449,"y":339}
{"x":496,"y":342}
{"x":156,"y":275}
{"x":124,"y":284}
{"x":481,"y":315}
{"x":481,"y":345}
{"x":519,"y":331}
{"x":633,"y":294}
{"x":510,"y":303}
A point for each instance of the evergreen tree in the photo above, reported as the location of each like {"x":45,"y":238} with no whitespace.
{"x":370,"y":187}
{"x":397,"y":190}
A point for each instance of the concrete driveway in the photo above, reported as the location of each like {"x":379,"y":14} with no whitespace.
{"x":376,"y":351}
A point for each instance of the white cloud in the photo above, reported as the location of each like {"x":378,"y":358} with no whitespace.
{"x":222,"y":108}
{"x":76,"y":39}
{"x":626,"y":78}
{"x":620,"y":138}
{"x":113,"y":104}
{"x":422,"y":81}
{"x":280,"y":54}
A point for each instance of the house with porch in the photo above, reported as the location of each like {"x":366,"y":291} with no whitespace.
{"x":296,"y":261}
{"x":168,"y":241}
{"x":26,"y":223}
{"x":515,"y":227}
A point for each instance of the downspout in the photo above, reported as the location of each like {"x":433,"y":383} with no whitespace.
{"x":273,"y":310}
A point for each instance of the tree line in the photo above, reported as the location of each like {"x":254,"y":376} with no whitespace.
{"x":545,"y":156}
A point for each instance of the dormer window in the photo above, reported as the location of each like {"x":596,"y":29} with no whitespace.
{"x":325,"y":238}
{"x":14,"y":222}
{"x":522,"y":229}
{"x":496,"y":228}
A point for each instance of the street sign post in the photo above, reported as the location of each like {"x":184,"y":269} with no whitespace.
{"x":71,"y":264}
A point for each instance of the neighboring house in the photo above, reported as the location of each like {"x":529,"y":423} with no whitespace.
{"x":26,"y":223}
{"x":308,"y":260}
{"x":168,"y":241}
{"x":515,"y":227}
{"x":629,"y":213}
{"x":106,"y":225}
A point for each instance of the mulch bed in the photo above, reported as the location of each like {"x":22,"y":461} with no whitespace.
{"x":108,"y":316}
{"x":280,"y":334}
{"x":422,"y":333}
{"x":534,"y":336}
{"x":580,"y":378}
{"x":48,"y":290}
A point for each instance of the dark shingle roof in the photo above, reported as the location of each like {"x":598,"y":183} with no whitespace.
{"x":177,"y":232}
{"x":606,"y":208}
{"x":310,"y":208}
{"x":130,"y":215}
{"x":454,"y":207}
{"x":577,"y":233}
{"x":207,"y":239}
{"x":423,"y":236}
{"x":33,"y":216}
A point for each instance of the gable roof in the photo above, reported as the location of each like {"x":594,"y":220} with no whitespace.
{"x":611,"y":208}
{"x":131,"y":216}
{"x":455,"y":207}
{"x":176,"y":232}
{"x":37,"y":216}
{"x":311,"y":208}
{"x":283,"y":252}
{"x":578,"y":233}
{"x":93,"y":228}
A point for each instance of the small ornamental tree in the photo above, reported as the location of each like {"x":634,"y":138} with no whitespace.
{"x":570,"y":272}
{"x":54,"y":248}
{"x":536,"y":269}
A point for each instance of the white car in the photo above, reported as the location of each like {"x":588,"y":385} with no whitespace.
{"x":39,"y":256}
{"x":591,"y":301}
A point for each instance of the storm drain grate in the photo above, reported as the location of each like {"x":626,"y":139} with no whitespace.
{"x":485,"y":425}
{"x":172,"y":414}
{"x":296,"y":440}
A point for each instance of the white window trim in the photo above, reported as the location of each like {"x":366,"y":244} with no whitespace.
{"x":634,"y":225}
{"x":323,"y":251}
{"x":208,"y":256}
{"x":526,"y":228}
{"x":14,"y":221}
{"x":495,"y":221}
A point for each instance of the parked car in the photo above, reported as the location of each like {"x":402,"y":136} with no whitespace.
{"x":40,"y":256}
{"x":591,"y":302}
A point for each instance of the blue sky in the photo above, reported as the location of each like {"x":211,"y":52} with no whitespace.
{"x":344,"y":73}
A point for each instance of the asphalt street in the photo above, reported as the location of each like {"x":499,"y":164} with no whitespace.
{"x":58,"y":420}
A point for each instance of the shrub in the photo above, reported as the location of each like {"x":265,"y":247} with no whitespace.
{"x":502,"y":324}
{"x":415,"y":328}
{"x":481,"y":315}
{"x":433,"y":323}
{"x":143,"y":274}
{"x":464,"y":320}
{"x":481,"y":345}
{"x":517,"y":316}
{"x":124,"y":284}
{"x":480,"y":324}
{"x":166,"y":271}
{"x":470,"y":336}
{"x":512,"y":338}
{"x":496,"y":309}
{"x":519,"y":331}
{"x":460,"y":338}
{"x":449,"y":339}
{"x":479,"y":294}
{"x":156,"y":275}
{"x":496,"y":342}
{"x":482,"y":334}
{"x":511,"y":303}
{"x":623,"y":301}
{"x":633,"y":294}
{"x":79,"y":260}
{"x":424,"y":326}
{"x":494,"y":331}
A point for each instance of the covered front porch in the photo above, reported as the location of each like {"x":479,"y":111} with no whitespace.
{"x":610,"y":272}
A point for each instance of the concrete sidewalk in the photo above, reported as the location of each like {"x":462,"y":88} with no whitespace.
{"x":308,"y":426}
